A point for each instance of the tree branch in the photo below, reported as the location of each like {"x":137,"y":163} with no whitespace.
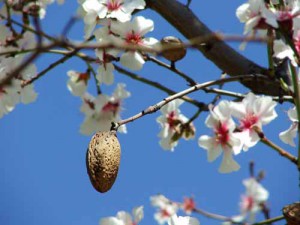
{"x":223,"y":56}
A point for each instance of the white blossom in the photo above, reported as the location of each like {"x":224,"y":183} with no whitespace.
{"x":103,"y":110}
{"x":253,"y":112}
{"x":224,"y":140}
{"x":171,"y":122}
{"x":255,"y":15}
{"x":165,"y":208}
{"x":254,"y":196}
{"x":133,"y":32}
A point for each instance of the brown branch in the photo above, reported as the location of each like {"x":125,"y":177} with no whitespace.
{"x":169,"y":67}
{"x":223,"y":56}
{"x":24,"y":64}
{"x":275,"y":147}
{"x":157,"y":85}
{"x":50,"y":67}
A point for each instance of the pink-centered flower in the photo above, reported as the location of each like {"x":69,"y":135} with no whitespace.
{"x":165,"y":208}
{"x":133,"y":33}
{"x":103,"y":110}
{"x":117,"y":9}
{"x":256,"y":15}
{"x":253,"y":112}
{"x":255,"y":195}
{"x":173,"y":124}
{"x":224,"y":139}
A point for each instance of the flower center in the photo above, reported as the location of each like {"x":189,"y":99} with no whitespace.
{"x":249,"y":121}
{"x":165,"y":213}
{"x":171,"y":120}
{"x":249,"y":202}
{"x":113,"y":5}
{"x":284,"y":15}
{"x":222,"y":134}
{"x":111,"y":107}
{"x":189,"y":204}
{"x":133,"y":38}
{"x":83,"y":76}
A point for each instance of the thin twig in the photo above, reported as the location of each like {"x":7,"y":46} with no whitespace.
{"x":269,"y":221}
{"x":91,"y":69}
{"x":278,"y":149}
{"x":50,"y":67}
{"x":28,"y":28}
{"x":154,"y":108}
{"x":157,"y":85}
{"x":24,"y":64}
{"x":169,"y":67}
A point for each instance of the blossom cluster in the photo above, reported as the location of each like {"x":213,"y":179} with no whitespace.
{"x":283,"y":16}
{"x":110,"y":23}
{"x":124,"y":218}
{"x":14,"y":92}
{"x":252,"y":113}
{"x":167,"y":210}
{"x":99,"y":111}
{"x":174,"y":125}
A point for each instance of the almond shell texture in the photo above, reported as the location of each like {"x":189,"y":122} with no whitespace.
{"x":103,"y":160}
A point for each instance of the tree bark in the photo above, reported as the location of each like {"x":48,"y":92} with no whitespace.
{"x":217,"y":51}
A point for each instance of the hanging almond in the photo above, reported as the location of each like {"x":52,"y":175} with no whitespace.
{"x":103,"y":160}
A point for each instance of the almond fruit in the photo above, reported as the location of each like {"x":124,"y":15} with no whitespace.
{"x":103,"y":160}
{"x":173,"y":54}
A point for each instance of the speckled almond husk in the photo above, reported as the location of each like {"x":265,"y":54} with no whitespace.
{"x":292,"y":213}
{"x":103,"y":160}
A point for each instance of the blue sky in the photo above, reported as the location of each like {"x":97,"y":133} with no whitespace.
{"x":42,"y":158}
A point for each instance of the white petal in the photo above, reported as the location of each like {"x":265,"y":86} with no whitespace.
{"x":264,"y":108}
{"x":138,"y":214}
{"x":132,"y":60}
{"x":120,"y":92}
{"x":125,"y":217}
{"x":289,"y":135}
{"x":120,"y":16}
{"x":28,"y":94}
{"x":241,"y":12}
{"x":228,"y":164}
{"x":129,"y":6}
{"x":120,"y":28}
{"x":110,"y":221}
{"x":142,"y":25}
{"x":213,"y":149}
{"x":77,"y":88}
{"x":88,"y":126}
{"x":183,"y":220}
{"x":105,"y":74}
{"x":238,"y":109}
{"x":292,"y":114}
